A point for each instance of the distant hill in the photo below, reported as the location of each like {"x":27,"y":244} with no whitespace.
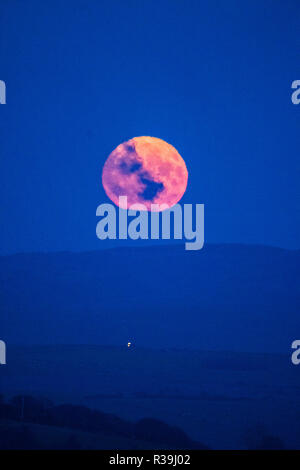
{"x":233,"y":297}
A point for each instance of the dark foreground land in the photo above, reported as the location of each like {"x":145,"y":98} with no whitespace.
{"x":221,"y":400}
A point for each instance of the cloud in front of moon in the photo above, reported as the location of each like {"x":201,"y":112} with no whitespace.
{"x":147,"y":170}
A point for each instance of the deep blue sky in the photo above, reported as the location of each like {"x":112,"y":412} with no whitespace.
{"x":213,"y":78}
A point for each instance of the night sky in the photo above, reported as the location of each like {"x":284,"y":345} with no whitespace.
{"x":212,"y":78}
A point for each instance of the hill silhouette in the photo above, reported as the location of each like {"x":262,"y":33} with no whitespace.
{"x":22,"y":412}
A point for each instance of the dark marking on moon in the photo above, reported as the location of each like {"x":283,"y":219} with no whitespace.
{"x":131,"y":163}
{"x":135,"y":167}
{"x":131,"y":166}
{"x":130,"y":147}
{"x":151,"y":188}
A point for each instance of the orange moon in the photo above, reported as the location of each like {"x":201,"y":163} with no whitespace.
{"x":147,"y":170}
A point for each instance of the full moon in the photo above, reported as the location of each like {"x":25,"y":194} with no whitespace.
{"x":147,"y":170}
